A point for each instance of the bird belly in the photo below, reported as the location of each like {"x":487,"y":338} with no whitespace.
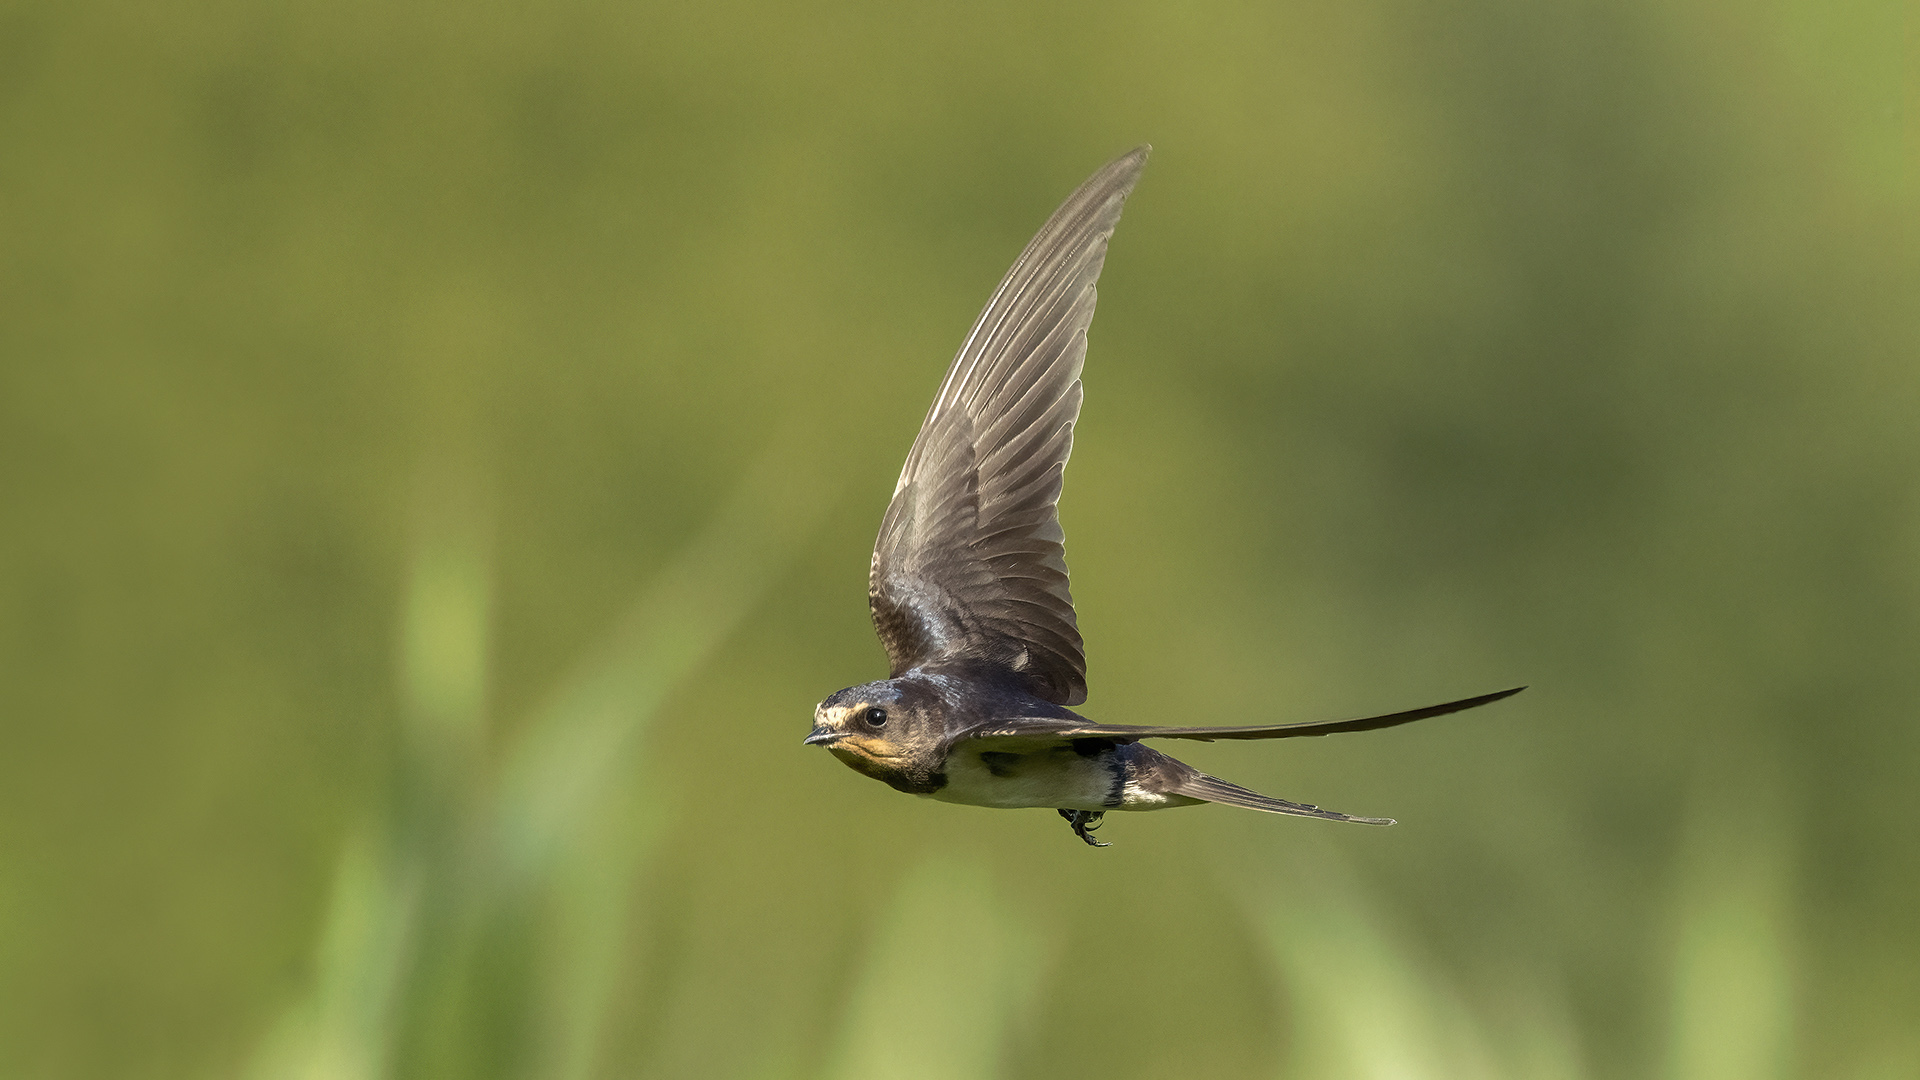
{"x":1058,"y":778}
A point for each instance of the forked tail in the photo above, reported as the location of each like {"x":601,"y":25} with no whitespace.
{"x":1213,"y":789}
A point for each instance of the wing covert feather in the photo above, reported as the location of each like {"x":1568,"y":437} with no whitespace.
{"x":970,"y":564}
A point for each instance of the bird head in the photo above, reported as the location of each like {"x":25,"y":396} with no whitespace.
{"x":878,"y":729}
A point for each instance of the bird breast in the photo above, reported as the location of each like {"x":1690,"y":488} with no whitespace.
{"x":1058,"y":777}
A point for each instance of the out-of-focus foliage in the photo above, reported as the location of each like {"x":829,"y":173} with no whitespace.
{"x":439,"y":446}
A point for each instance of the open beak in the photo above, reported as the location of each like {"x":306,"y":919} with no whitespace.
{"x":822,"y":735}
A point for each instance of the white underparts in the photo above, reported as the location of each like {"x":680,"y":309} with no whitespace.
{"x":1056,"y":777}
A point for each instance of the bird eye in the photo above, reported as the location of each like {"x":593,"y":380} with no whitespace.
{"x":876,"y":717}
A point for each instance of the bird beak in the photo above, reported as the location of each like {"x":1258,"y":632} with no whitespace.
{"x":821,"y":735}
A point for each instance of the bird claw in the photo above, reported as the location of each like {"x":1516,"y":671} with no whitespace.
{"x":1084,"y":822}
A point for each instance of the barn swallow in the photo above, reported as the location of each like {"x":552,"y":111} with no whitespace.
{"x":968,"y":586}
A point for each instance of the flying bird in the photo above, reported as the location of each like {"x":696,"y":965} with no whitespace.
{"x":968,"y":587}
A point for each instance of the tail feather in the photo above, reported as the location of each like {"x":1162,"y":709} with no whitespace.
{"x":1213,"y":789}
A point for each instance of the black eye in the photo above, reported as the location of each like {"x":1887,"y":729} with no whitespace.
{"x":876,"y":717}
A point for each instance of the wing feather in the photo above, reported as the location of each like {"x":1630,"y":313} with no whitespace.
{"x":970,"y":564}
{"x":1057,"y":730}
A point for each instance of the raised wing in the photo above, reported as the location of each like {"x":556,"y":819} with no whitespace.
{"x":969,"y":566}
{"x":1026,"y":730}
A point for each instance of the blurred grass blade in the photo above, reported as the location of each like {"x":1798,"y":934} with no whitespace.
{"x":480,"y":930}
{"x":587,"y":920}
{"x":443,"y":654}
{"x":369,"y":949}
{"x":341,"y":1031}
{"x":586,"y":733}
{"x":1361,"y":1006}
{"x":948,"y":971}
{"x":1733,"y":972}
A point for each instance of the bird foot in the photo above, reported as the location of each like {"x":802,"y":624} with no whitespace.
{"x":1084,"y":822}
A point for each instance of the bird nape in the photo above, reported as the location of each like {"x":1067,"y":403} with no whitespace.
{"x":969,"y":582}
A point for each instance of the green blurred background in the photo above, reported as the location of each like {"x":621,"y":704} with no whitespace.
{"x":440,"y":446}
